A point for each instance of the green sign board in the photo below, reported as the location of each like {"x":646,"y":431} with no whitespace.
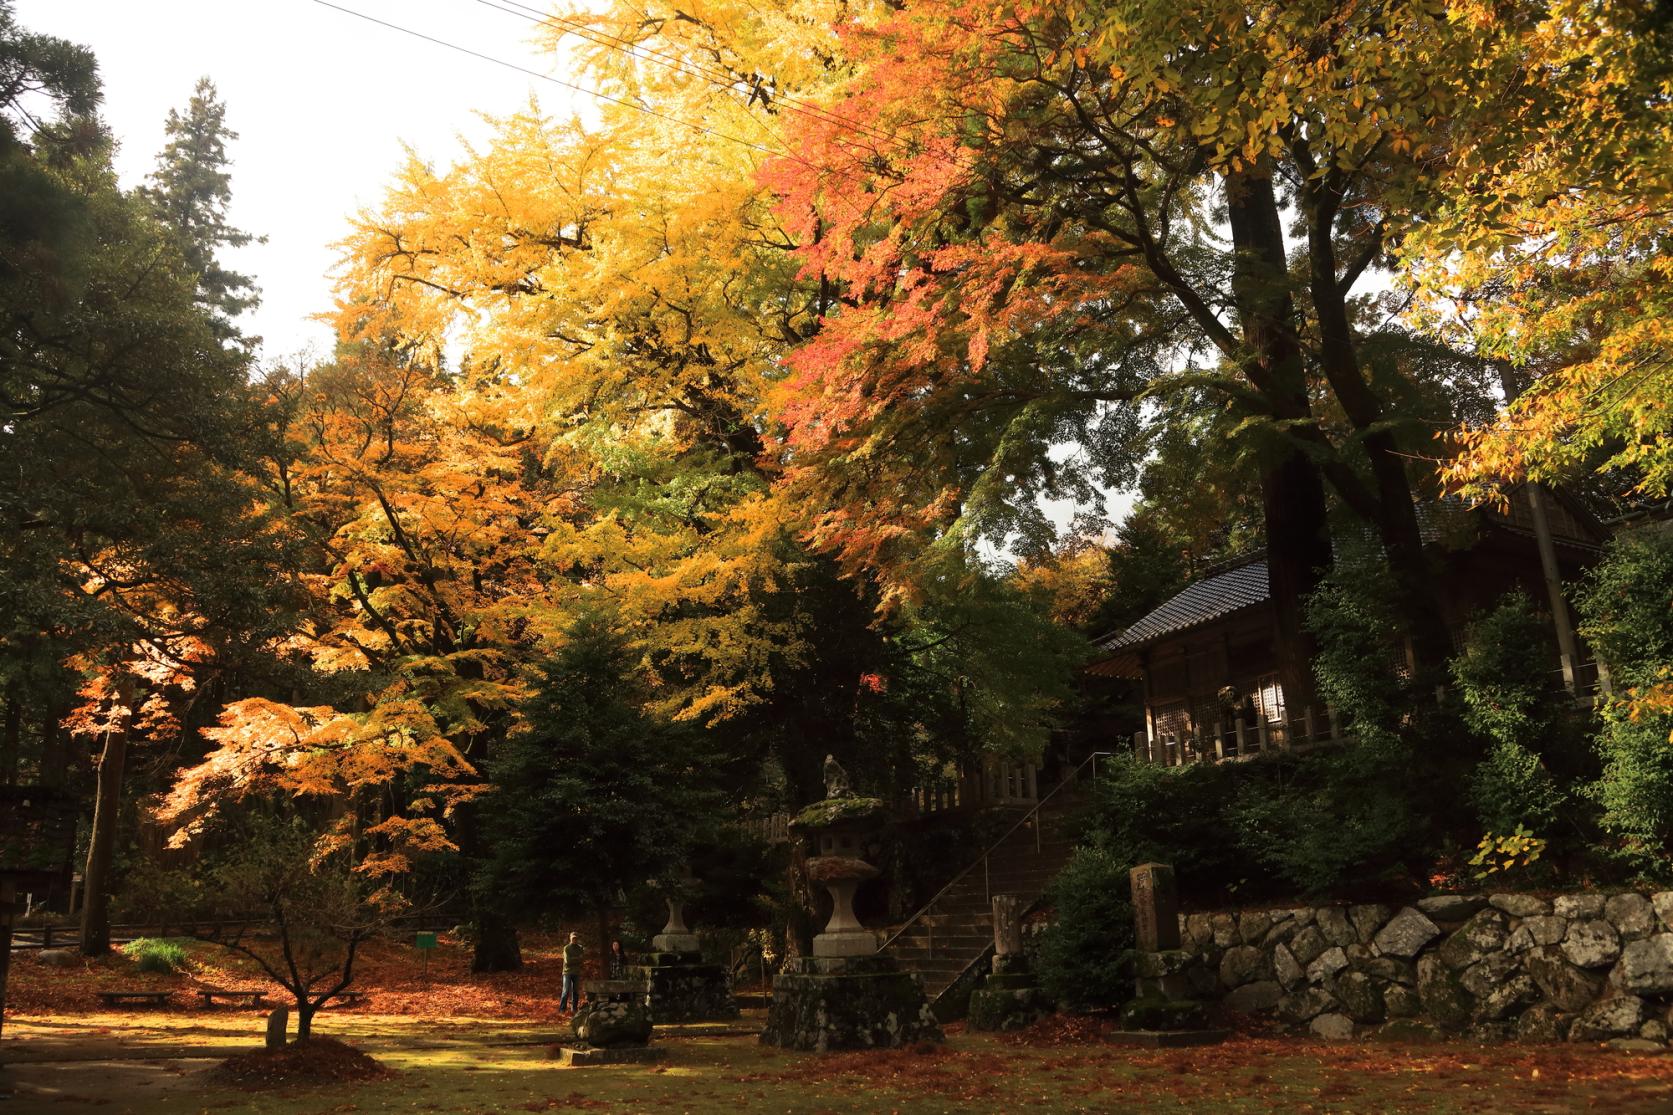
{"x":426,"y":941}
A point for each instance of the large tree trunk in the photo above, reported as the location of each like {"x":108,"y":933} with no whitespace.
{"x":304,"y":1018}
{"x":496,"y":948}
{"x":11,"y":738}
{"x":1292,"y":489}
{"x":8,"y":896}
{"x":1297,"y":553}
{"x":1394,"y":510}
{"x":101,"y":845}
{"x":55,"y":756}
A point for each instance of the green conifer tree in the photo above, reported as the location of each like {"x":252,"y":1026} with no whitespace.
{"x":191,"y":190}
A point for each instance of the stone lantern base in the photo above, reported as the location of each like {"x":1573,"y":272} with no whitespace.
{"x":823,"y":1003}
{"x":1009,"y":999}
{"x":680,"y":987}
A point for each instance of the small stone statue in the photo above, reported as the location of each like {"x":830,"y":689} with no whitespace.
{"x":836,"y":779}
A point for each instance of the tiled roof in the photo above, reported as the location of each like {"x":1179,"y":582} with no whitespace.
{"x":1199,"y":602}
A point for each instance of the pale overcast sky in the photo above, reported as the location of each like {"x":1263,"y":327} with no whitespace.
{"x":322,"y":103}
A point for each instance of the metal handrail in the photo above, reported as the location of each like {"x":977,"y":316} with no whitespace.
{"x":981,"y":861}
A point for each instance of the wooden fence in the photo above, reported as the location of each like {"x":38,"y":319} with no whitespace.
{"x":67,"y":935}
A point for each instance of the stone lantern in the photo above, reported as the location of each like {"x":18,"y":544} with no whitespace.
{"x":846,"y":995}
{"x":678,"y":985}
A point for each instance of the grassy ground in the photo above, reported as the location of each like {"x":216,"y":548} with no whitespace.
{"x":151,"y":1064}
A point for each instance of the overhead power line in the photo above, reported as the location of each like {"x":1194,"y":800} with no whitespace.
{"x":719,"y":77}
{"x":584,"y":90}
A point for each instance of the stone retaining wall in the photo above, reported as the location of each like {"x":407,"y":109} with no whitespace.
{"x":1586,"y":967}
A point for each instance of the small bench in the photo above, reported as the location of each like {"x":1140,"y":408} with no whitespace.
{"x":135,"y":998}
{"x":247,"y":998}
{"x":347,"y":998}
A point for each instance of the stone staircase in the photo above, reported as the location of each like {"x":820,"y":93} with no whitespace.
{"x":956,"y":929}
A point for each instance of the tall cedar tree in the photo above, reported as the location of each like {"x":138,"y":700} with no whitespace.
{"x":191,"y":190}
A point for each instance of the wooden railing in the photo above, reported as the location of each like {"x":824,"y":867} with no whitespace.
{"x":773,"y":828}
{"x":996,"y":783}
{"x":1029,"y":821}
{"x":1236,"y":739}
{"x":1230,"y":740}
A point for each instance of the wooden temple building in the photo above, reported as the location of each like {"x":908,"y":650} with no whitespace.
{"x":1207,"y":657}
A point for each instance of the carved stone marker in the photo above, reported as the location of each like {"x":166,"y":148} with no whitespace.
{"x":1007,"y":925}
{"x":1155,"y":907}
{"x":278,"y":1021}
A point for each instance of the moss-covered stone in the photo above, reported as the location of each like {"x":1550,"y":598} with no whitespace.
{"x":688,"y":992}
{"x":1445,"y":999}
{"x":612,"y":1023}
{"x":834,"y":811}
{"x":1153,"y":1012}
{"x":1006,"y":1008}
{"x":851,"y":1003}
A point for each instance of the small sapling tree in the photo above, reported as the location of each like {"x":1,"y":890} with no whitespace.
{"x":314,"y":903}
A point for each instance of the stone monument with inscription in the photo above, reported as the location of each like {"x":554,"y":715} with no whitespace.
{"x":845,"y":996}
{"x":1164,"y":1010}
{"x":1155,"y":907}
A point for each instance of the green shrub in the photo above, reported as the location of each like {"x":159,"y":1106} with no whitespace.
{"x":1501,"y":673}
{"x":1511,"y":789}
{"x":1082,"y":961}
{"x":1145,"y":813}
{"x":1358,"y":629}
{"x":1338,"y":816}
{"x":1625,"y":605}
{"x":1636,"y":790}
{"x":152,"y":954}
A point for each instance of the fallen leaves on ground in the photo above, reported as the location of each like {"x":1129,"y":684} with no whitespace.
{"x":315,"y":1061}
{"x":391,"y":973}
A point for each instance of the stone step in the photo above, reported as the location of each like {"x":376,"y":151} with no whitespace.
{"x":950,"y":944}
{"x":997,"y":881}
{"x":994,"y":880}
{"x":942,"y":968}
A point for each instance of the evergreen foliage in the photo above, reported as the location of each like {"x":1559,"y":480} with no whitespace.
{"x":594,"y":797}
{"x":1503,"y":678}
{"x":190,"y":191}
{"x":1626,"y":614}
{"x":1081,"y":953}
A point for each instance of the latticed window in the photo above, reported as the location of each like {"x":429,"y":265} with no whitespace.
{"x":1268,"y":698}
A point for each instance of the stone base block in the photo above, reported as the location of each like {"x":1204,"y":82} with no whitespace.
{"x":826,"y":1003}
{"x":847,"y":942}
{"x":677,"y":942}
{"x":689,"y":992}
{"x":619,"y":1055}
{"x":1157,"y":1013}
{"x":1006,"y":1008}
